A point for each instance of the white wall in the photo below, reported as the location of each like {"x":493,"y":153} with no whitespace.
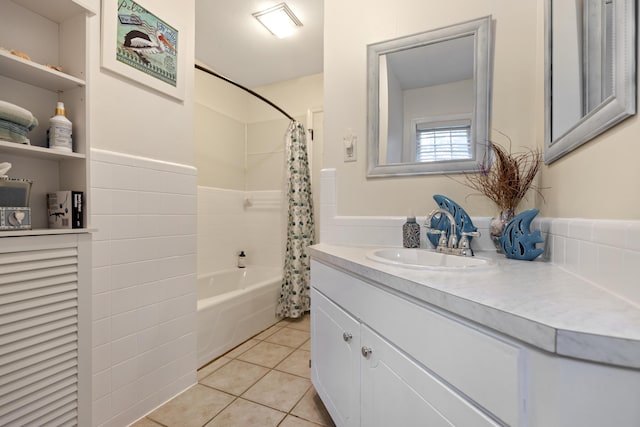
{"x":144,"y":294}
{"x":143,"y":203}
{"x":294,"y":96}
{"x":220,"y":132}
{"x":128,"y":117}
{"x":267,"y":127}
{"x":265,"y":154}
{"x":220,"y":149}
{"x":240,"y":138}
{"x":228,"y":225}
{"x":592,"y":182}
{"x":225,"y":225}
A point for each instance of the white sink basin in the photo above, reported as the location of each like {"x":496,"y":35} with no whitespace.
{"x":422,"y":258}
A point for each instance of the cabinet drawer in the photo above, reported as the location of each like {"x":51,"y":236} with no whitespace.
{"x":486,"y":368}
{"x":341,"y":288}
{"x":396,"y":391}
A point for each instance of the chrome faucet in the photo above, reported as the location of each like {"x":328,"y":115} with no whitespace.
{"x":450,"y":245}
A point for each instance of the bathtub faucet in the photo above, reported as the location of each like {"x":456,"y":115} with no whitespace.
{"x":450,"y":245}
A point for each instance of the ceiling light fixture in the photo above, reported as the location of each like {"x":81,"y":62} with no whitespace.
{"x":279,"y":20}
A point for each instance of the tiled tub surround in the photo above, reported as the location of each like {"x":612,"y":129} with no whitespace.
{"x":603,"y":253}
{"x":230,"y":221}
{"x":144,"y":284}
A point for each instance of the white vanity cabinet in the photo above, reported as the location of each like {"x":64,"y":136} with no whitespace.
{"x":365,"y":375}
{"x":385,"y":352}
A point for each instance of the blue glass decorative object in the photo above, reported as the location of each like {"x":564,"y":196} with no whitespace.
{"x":463,"y":222}
{"x":518,"y":241}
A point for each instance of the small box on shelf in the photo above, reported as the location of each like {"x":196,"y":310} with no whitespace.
{"x":15,"y":218}
{"x":64,"y":209}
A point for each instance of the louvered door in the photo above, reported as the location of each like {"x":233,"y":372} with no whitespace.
{"x":39,"y":330}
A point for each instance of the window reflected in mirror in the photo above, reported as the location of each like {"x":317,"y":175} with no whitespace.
{"x":441,"y":142}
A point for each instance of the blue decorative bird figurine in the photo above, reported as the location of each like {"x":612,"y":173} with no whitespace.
{"x":463,"y":222}
{"x":518,"y":241}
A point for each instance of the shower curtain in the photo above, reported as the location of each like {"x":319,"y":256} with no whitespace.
{"x":294,"y":295}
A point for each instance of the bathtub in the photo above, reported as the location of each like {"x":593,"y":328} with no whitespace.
{"x":234,"y":305}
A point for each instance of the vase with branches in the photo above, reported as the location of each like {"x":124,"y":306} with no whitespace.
{"x":505,"y":178}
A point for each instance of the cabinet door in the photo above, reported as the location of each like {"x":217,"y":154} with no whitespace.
{"x":335,"y":361}
{"x":396,"y":391}
{"x":44,"y":340}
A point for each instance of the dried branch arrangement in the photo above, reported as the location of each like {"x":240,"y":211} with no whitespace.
{"x":506,"y":180}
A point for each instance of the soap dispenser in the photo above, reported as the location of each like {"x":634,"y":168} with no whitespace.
{"x":411,"y":233}
{"x":241,"y":260}
{"x":59,"y":132}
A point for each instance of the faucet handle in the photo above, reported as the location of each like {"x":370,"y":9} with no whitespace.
{"x":469,"y":233}
{"x":442,"y":240}
{"x":465,"y":245}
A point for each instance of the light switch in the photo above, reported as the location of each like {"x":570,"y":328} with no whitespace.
{"x":350,"y":142}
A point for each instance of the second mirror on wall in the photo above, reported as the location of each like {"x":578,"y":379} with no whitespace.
{"x":590,"y":70}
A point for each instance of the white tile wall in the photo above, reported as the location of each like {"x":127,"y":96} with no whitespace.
{"x":228,"y":225}
{"x":144,"y":284}
{"x":604,"y":252}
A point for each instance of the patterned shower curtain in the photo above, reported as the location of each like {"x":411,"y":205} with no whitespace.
{"x":294,"y":296}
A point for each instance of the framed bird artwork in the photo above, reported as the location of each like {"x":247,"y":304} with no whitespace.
{"x":141,"y":46}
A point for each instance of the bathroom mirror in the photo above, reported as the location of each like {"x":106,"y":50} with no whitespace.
{"x":428,"y":101}
{"x":590,"y":66}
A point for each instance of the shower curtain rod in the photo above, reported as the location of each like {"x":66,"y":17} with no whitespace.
{"x":257,"y":95}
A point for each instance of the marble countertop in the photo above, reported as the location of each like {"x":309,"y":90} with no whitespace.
{"x":535,"y":302}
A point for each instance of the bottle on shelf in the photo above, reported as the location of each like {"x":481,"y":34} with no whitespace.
{"x":241,"y":260}
{"x":59,"y":132}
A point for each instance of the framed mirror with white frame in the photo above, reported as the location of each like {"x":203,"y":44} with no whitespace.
{"x":428,"y":101}
{"x":590,"y":70}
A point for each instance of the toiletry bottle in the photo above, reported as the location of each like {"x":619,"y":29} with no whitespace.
{"x":411,"y":233}
{"x":59,"y":132}
{"x":241,"y":260}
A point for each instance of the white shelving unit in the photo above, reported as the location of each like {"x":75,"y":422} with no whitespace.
{"x":37,"y":152}
{"x":20,"y":69}
{"x":50,"y":32}
{"x":45,"y":297}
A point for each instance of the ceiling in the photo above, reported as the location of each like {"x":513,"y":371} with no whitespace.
{"x":232,"y":42}
{"x":437,"y":63}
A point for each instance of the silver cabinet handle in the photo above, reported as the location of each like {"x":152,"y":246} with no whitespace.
{"x":347,"y":336}
{"x":366,"y":352}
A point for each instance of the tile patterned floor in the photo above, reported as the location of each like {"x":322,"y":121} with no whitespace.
{"x":264,"y":382}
